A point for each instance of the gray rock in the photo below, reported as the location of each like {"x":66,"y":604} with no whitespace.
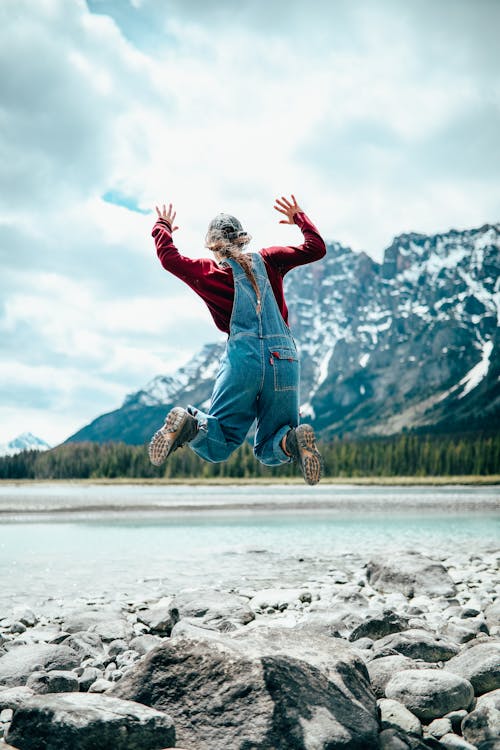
{"x":430,"y":693}
{"x":417,"y":644}
{"x":161,"y":617}
{"x":279,"y":599}
{"x":117,"y":647}
{"x":88,"y":676}
{"x":16,"y":665}
{"x":491,"y":699}
{"x":112,"y":630}
{"x":456,"y":718}
{"x":411,"y":573}
{"x":54,"y":681}
{"x":14,"y":697}
{"x":17,"y":627}
{"x":383,"y":669}
{"x":26,"y":616}
{"x":492,"y":613}
{"x":85,"y":721}
{"x":215,"y":609}
{"x":144,"y":643}
{"x":479,"y":664}
{"x":453,"y":742}
{"x":101,"y":685}
{"x":462,"y":631}
{"x":252,"y":693}
{"x":481,"y":724}
{"x":84,"y":619}
{"x":395,"y":739}
{"x":85,"y":644}
{"x":6,"y":715}
{"x":439,"y":727}
{"x":378,"y":627}
{"x":393,"y":713}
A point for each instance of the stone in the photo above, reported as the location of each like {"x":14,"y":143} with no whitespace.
{"x":439,"y":727}
{"x":462,"y":631}
{"x":161,"y":617}
{"x":85,"y":644}
{"x":481,"y":724}
{"x":395,"y":739}
{"x":430,"y":693}
{"x":85,"y":721}
{"x":88,"y":676}
{"x":411,"y":573}
{"x":215,"y":609}
{"x":6,"y":715}
{"x":270,"y":689}
{"x":456,"y":718}
{"x":54,"y":681}
{"x":279,"y":599}
{"x":144,"y":643}
{"x":378,"y":627}
{"x":117,"y":647}
{"x":489,"y":699}
{"x":454,"y":742}
{"x":393,"y":713}
{"x":492,"y":613}
{"x":101,"y":685}
{"x":16,"y":665}
{"x":26,"y":616}
{"x":14,"y":697}
{"x":383,"y":669}
{"x":112,"y":630}
{"x":479,"y":664}
{"x":417,"y":644}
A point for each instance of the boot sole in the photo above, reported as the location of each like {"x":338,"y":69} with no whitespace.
{"x":310,"y":461}
{"x":162,"y":444}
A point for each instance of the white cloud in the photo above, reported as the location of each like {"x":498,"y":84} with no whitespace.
{"x":381,"y":118}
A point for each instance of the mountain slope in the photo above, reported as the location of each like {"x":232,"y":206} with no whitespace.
{"x":409,"y":343}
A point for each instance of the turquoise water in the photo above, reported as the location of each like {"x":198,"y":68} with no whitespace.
{"x":64,"y":541}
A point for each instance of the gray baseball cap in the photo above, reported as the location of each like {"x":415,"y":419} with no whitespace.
{"x":226,"y":225}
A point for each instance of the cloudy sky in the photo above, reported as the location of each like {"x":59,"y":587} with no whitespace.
{"x":381,"y":116}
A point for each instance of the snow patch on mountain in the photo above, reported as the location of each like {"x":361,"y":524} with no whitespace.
{"x":479,"y":371}
{"x":24,"y":442}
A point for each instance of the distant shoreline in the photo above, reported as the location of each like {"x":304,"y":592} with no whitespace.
{"x":440,"y":481}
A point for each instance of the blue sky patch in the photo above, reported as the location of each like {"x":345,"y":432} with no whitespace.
{"x":120,"y":199}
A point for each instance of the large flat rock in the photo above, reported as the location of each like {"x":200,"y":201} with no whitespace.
{"x":88,"y":721}
{"x":18,"y":663}
{"x":266,"y":691}
{"x":412,"y":574}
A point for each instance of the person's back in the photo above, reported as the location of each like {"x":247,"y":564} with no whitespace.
{"x":258,"y":378}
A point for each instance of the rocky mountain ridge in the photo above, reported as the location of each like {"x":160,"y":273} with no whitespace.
{"x":409,"y":343}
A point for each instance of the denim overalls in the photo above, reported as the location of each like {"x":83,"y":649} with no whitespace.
{"x":258,"y":377}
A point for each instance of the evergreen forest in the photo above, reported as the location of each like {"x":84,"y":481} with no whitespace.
{"x":411,"y":455}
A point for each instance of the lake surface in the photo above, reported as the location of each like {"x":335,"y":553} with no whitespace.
{"x":62,"y":542}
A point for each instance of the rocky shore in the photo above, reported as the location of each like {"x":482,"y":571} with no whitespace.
{"x":399,"y":652}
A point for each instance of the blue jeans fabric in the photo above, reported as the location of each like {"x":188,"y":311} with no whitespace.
{"x":258,"y":378}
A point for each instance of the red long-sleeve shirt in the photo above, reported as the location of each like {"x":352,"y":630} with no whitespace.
{"x":214,"y":284}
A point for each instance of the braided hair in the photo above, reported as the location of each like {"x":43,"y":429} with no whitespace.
{"x":227,"y":237}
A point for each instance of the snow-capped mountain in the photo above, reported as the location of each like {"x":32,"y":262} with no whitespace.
{"x":25,"y":442}
{"x":411,"y":342}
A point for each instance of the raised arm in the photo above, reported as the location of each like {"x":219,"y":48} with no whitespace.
{"x":313,"y":247}
{"x":187,"y":269}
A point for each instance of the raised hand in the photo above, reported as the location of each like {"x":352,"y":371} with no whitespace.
{"x":168,"y":216}
{"x":289,"y":209}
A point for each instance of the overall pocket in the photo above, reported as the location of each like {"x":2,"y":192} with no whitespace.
{"x":285,"y":364}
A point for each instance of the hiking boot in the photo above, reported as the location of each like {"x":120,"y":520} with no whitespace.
{"x":180,"y":428}
{"x":300,"y":444}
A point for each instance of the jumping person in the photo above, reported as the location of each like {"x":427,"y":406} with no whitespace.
{"x":258,"y":377}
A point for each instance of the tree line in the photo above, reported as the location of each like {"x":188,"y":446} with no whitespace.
{"x":403,"y":455}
